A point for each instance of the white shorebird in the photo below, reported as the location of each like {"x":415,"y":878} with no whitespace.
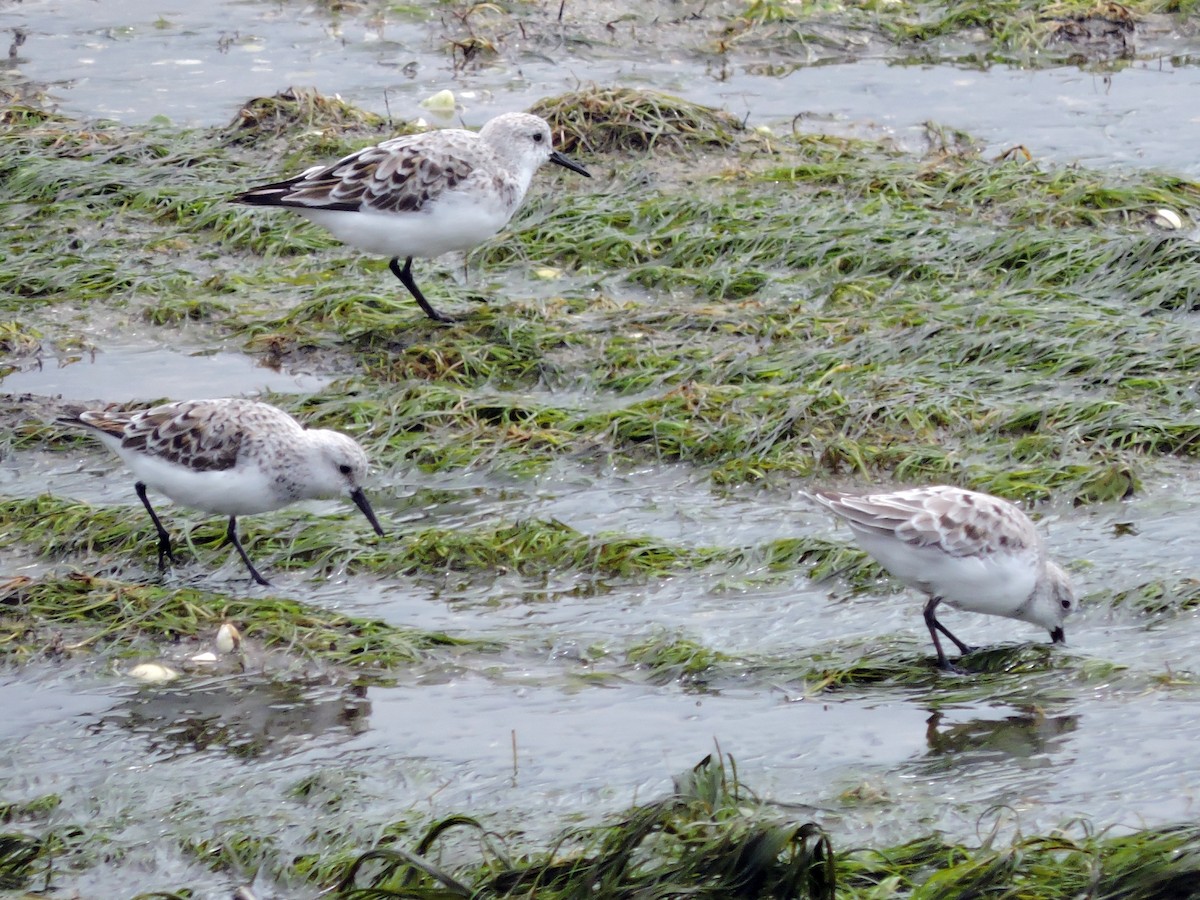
{"x":969,"y":550}
{"x":422,"y":194}
{"x":229,"y":457}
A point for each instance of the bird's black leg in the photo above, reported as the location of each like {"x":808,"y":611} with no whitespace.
{"x":231,"y":536}
{"x":164,"y":539}
{"x":962,"y":648}
{"x":406,"y":279}
{"x":934,"y":626}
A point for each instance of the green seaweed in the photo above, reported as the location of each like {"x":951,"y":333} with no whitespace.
{"x":123,"y":614}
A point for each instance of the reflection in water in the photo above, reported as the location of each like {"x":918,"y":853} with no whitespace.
{"x":246,"y":717}
{"x":1030,"y":737}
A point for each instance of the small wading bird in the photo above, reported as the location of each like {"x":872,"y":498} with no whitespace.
{"x":231,"y":458}
{"x":971,"y":551}
{"x":422,"y":194}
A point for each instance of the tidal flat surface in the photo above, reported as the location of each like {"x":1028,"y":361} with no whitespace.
{"x":592,"y":483}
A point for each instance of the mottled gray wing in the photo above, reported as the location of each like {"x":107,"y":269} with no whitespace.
{"x":956,"y":521}
{"x":400,"y":175}
{"x":186,"y":432}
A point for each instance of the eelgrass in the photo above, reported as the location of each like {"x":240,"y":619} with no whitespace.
{"x":119,"y":616}
{"x":823,"y":307}
{"x":58,"y":528}
{"x":711,"y":838}
{"x":36,"y":808}
{"x":529,"y":547}
{"x":18,"y":856}
{"x":28,"y":862}
{"x":1146,"y":865}
{"x":1160,"y":597}
{"x":714,"y":839}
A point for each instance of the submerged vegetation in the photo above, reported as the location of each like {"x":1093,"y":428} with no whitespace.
{"x":711,"y":837}
{"x":766,"y":310}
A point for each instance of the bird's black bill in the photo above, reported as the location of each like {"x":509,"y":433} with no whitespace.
{"x":360,"y":500}
{"x":558,"y":159}
{"x":1057,"y":636}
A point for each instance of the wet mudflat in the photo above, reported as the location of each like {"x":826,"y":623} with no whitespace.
{"x":598,"y":568}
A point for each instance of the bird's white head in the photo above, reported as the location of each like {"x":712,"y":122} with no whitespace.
{"x":523,"y":143}
{"x":1052,"y":601}
{"x":340,"y":468}
{"x":342,"y":465}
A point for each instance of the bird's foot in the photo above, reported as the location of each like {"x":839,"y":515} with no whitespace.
{"x":944,"y":665}
{"x":165,"y":556}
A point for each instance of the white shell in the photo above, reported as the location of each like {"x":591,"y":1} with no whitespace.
{"x":153,"y":673}
{"x":228,"y":638}
{"x":1167,"y":219}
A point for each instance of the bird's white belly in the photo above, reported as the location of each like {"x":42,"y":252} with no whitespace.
{"x":451,"y":223}
{"x":228,"y":492}
{"x":997,"y":585}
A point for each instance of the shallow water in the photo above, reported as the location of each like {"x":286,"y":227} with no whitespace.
{"x":207,"y":59}
{"x":122,"y":372}
{"x":554,"y":728}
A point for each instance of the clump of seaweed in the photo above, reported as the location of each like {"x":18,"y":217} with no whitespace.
{"x":101,"y":611}
{"x":710,"y":838}
{"x":21,"y":858}
{"x":1103,"y":31}
{"x":1159,"y":597}
{"x":625,"y":120}
{"x":264,"y":118}
{"x":713,"y":838}
{"x":1155,"y":863}
{"x":21,"y":116}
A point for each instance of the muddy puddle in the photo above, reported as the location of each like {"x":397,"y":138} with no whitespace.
{"x":556,"y":728}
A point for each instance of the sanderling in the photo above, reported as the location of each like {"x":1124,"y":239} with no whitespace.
{"x":969,"y":550}
{"x":230,"y":457}
{"x":422,"y":194}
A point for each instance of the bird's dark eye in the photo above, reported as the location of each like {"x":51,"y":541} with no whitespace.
{"x":345,"y":469}
{"x":1066,"y":604}
{"x":538,"y":137}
